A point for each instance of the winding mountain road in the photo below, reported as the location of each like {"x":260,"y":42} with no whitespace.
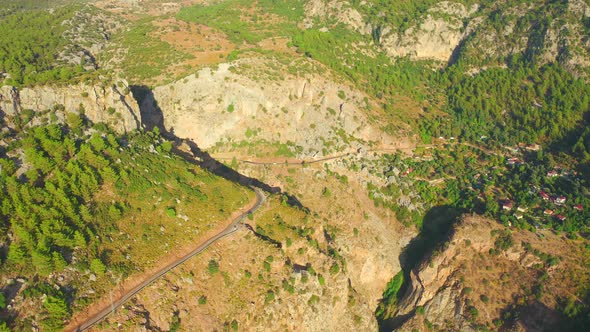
{"x":234,"y":226}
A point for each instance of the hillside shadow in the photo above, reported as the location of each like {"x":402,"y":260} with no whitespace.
{"x":566,"y":145}
{"x":149,"y":110}
{"x":436,"y":226}
{"x":263,"y":237}
{"x":458,"y":51}
{"x":153,"y":117}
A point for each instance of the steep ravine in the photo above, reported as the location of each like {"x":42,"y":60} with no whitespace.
{"x":224,"y":107}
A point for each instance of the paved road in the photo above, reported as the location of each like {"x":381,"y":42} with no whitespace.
{"x":234,"y":226}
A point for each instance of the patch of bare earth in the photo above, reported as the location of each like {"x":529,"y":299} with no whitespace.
{"x":207,"y":46}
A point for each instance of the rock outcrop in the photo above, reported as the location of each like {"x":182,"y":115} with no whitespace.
{"x":340,"y":11}
{"x":468,"y":282}
{"x":228,"y":104}
{"x":112,"y":103}
{"x":435,"y":284}
{"x":485,"y":35}
{"x":435,"y":36}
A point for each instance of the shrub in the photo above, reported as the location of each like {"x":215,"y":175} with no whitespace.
{"x":473,"y":312}
{"x":213,"y":266}
{"x":393,"y":286}
{"x":230,"y":108}
{"x":269,"y":297}
{"x":175,"y":323}
{"x":335,"y":268}
{"x":57,"y":311}
{"x":97,"y":266}
{"x":166,"y":146}
{"x":504,"y":241}
{"x":313,"y":300}
{"x":171,"y":212}
{"x":233,"y":55}
{"x":74,"y":121}
{"x":202,"y":299}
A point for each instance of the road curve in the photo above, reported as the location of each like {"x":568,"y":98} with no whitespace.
{"x":260,"y":198}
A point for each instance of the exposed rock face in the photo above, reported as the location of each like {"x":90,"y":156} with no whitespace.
{"x":436,"y":37}
{"x":89,"y":32}
{"x":335,"y":10}
{"x":447,"y":27}
{"x":435,"y":285}
{"x":485,"y":35}
{"x":111,"y":104}
{"x":225,"y":105}
{"x":462,"y":284}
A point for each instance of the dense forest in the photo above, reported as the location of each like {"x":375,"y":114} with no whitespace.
{"x":522,"y":104}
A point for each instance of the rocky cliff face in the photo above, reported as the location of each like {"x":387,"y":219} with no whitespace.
{"x":468,"y":282}
{"x":112,"y":103}
{"x":484,"y":35}
{"x":435,"y":36}
{"x":233,"y":104}
{"x":435,"y":284}
{"x":340,"y":11}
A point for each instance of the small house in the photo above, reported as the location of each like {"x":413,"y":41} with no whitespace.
{"x":560,"y":217}
{"x":544,"y":195}
{"x":559,"y":200}
{"x":507,"y":205}
{"x":552,"y":174}
{"x":579,"y":207}
{"x":548,"y":212}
